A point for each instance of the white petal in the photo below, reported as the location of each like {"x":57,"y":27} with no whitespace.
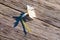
{"x":31,"y":12}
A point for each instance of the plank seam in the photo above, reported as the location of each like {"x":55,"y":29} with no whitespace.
{"x":11,"y":7}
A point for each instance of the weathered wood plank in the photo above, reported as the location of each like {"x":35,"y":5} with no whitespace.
{"x":4,"y":38}
{"x":15,"y":34}
{"x":35,"y":27}
{"x":45,"y":10}
{"x":43,"y":30}
{"x":54,"y":1}
{"x":49,"y":12}
{"x":5,"y":19}
{"x":14,"y":4}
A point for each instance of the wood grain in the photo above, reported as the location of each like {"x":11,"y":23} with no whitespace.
{"x":45,"y":9}
{"x":45,"y":27}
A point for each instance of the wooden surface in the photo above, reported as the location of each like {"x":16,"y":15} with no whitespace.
{"x":45,"y":27}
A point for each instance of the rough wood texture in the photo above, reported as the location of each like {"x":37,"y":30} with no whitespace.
{"x":45,"y":27}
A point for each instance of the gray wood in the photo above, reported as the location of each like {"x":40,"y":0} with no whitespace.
{"x":45,"y":27}
{"x":46,"y":10}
